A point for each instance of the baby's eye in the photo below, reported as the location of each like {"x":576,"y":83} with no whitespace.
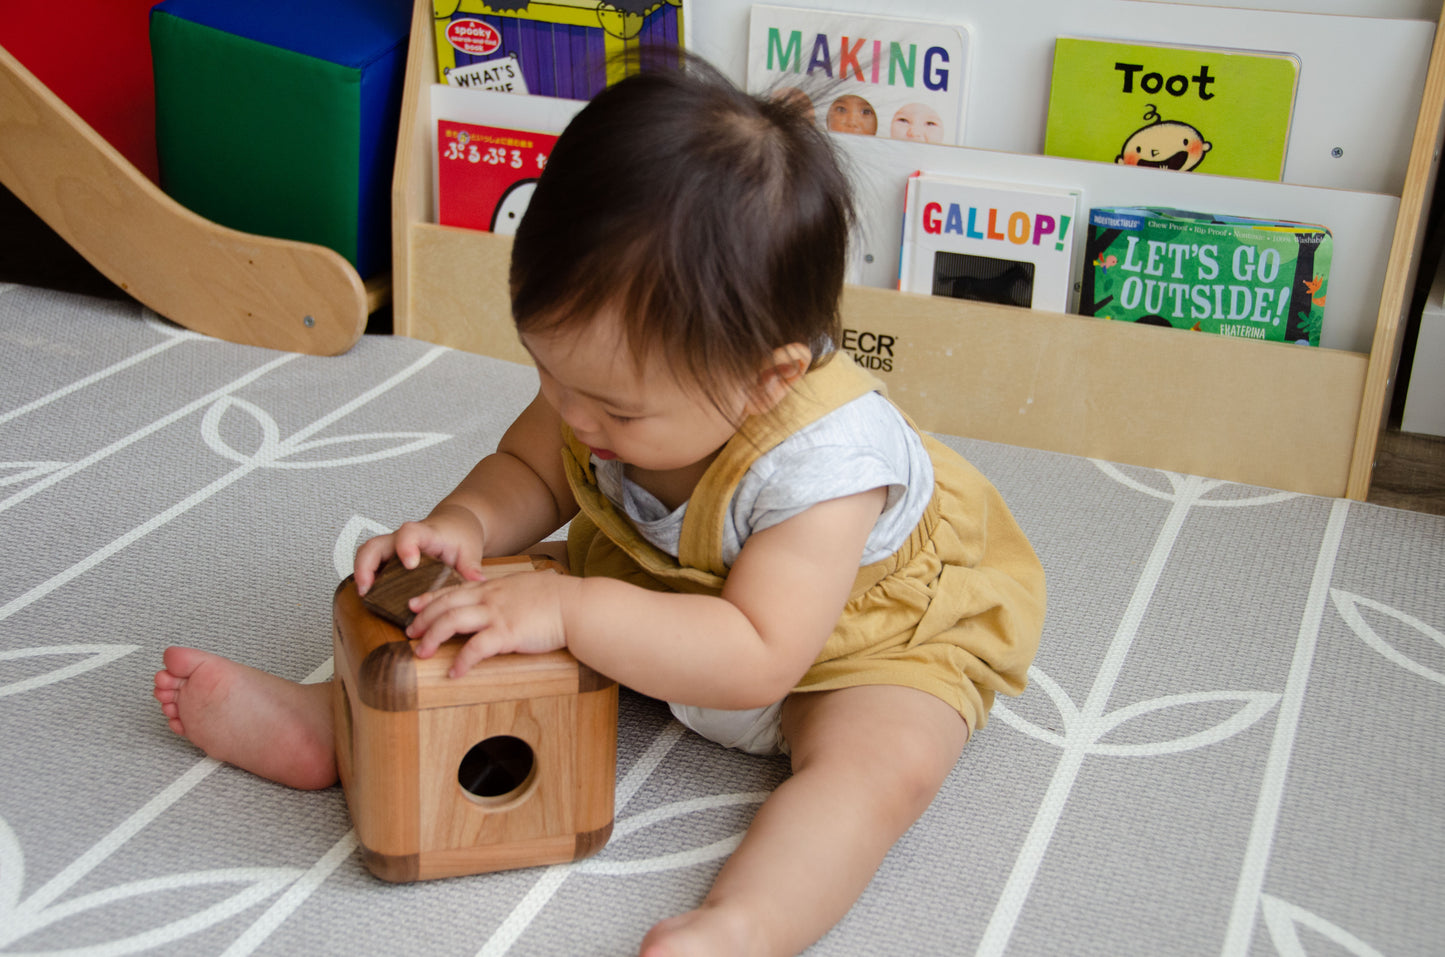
{"x":621,"y":419}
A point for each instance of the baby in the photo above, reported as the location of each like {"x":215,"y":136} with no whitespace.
{"x":757,"y":536}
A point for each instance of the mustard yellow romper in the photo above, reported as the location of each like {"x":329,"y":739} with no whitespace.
{"x":957,"y":611}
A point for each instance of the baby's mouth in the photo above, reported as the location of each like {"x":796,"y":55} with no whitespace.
{"x":605,"y":455}
{"x":1176,"y":161}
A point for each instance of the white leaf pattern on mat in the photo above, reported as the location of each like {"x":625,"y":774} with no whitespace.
{"x":25,"y":471}
{"x":1256,"y":704}
{"x":1284,"y":920}
{"x":1085,"y":724}
{"x":1068,"y":711}
{"x":1349,"y":605}
{"x":1087,"y":735}
{"x":357,"y":530}
{"x":257,"y":884}
{"x":605,"y":864}
{"x":12,"y":873}
{"x":273,"y":452}
{"x":1190,"y":485}
{"x":95,"y":656}
{"x":246,"y":467}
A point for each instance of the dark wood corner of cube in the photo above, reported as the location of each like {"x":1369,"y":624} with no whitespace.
{"x":591,"y":842}
{"x":387,"y":678}
{"x":589,"y":680}
{"x":394,"y":868}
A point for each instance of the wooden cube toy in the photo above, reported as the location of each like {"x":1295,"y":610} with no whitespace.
{"x":511,"y":765}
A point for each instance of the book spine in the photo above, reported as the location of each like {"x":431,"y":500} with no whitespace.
{"x":906,"y":251}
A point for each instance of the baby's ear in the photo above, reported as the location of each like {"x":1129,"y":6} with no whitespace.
{"x":784,"y":368}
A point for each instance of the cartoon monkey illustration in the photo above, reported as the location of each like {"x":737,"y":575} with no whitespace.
{"x":1164,"y":144}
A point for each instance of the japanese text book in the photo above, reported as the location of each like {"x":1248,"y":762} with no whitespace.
{"x":486,"y":174}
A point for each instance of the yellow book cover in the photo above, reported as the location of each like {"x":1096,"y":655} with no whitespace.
{"x":1182,"y":108}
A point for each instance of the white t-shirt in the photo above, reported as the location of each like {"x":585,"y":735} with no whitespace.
{"x":862,"y":445}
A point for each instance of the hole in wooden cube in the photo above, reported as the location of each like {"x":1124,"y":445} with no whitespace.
{"x":497,"y":769}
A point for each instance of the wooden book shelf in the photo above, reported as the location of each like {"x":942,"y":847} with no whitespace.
{"x":1281,"y":416}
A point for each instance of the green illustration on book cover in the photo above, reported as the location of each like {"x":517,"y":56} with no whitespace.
{"x":1183,"y":108}
{"x":1256,"y":279}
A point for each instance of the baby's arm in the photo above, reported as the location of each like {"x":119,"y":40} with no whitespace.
{"x":510,"y":500}
{"x":745,"y":649}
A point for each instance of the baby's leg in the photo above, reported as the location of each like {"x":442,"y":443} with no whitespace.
{"x":867,"y":762}
{"x":259,"y":722}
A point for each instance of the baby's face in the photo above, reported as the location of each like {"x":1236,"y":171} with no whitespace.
{"x":918,"y":122}
{"x":624,"y":409}
{"x":852,"y":114}
{"x":1165,"y":145}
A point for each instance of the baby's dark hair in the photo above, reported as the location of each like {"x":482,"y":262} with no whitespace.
{"x":715,"y":222}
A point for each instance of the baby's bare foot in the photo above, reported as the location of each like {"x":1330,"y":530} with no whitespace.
{"x":259,"y":722}
{"x":707,"y":930}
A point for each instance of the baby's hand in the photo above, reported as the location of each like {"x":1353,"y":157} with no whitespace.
{"x":450,"y":534}
{"x":515,"y":613}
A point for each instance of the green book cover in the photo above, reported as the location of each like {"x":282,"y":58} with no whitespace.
{"x":1185,"y":108}
{"x":1251,"y":278}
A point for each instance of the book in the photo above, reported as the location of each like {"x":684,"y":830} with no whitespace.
{"x":1183,"y":108}
{"x":486,"y":174}
{"x":566,"y":48}
{"x":862,"y":74}
{"x":988,"y":241}
{"x":1234,"y":276}
{"x":487,"y":149}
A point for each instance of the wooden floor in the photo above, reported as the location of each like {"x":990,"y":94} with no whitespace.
{"x":1410,"y":472}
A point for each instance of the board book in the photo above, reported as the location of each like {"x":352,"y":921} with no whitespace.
{"x":566,"y":48}
{"x":989,"y":241}
{"x":1251,"y":278}
{"x":861,"y":74}
{"x":1185,"y":108}
{"x":487,"y":146}
{"x":486,"y":174}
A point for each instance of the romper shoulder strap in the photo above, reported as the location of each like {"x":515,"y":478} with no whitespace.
{"x":832,"y":385}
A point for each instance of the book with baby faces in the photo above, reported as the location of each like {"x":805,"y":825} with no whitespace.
{"x":989,"y":241}
{"x":1172,"y":107}
{"x":862,"y":74}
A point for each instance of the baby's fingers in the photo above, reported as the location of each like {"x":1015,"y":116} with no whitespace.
{"x":443,"y":614}
{"x":370,"y":557}
{"x":486,"y":643}
{"x":415,"y":538}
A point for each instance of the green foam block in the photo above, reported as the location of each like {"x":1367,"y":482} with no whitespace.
{"x":259,"y":138}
